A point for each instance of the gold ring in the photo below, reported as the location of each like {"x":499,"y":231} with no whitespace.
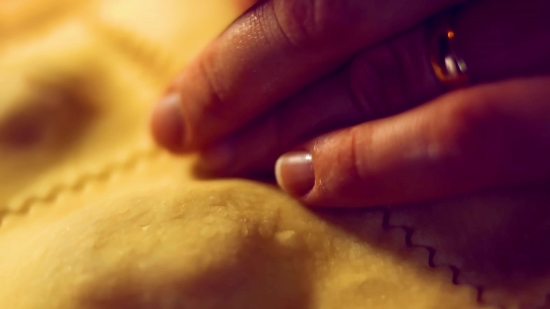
{"x":449,"y":68}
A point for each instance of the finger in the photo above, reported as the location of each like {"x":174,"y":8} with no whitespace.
{"x":482,"y":137}
{"x":387,"y":79}
{"x":378,"y":82}
{"x":272,"y":51}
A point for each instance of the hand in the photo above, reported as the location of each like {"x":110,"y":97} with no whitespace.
{"x":284,"y":73}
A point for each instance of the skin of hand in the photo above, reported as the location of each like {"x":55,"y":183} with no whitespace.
{"x":342,"y":96}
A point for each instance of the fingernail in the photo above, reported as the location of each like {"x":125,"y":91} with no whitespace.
{"x":168,"y":126}
{"x":294,"y":172}
{"x":218,"y":157}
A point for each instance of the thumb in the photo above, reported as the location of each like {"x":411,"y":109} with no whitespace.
{"x":468,"y":140}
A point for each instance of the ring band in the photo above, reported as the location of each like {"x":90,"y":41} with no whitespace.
{"x":449,"y":68}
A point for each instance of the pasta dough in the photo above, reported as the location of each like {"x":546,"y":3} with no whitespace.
{"x":81,"y":100}
{"x":126,"y":242}
{"x":94,"y":216}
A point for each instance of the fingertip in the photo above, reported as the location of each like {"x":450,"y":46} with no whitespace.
{"x":167,"y":122}
{"x":294,"y":173}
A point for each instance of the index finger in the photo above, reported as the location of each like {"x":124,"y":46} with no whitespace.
{"x":276,"y":48}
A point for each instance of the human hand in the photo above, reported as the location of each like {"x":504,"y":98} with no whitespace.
{"x":281,"y":76}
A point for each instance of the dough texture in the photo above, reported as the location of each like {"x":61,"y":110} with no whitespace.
{"x":124,"y":242}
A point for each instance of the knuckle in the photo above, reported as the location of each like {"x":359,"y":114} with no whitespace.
{"x":310,"y":23}
{"x":295,"y":19}
{"x":265,"y":25}
{"x":392,"y":77}
{"x":359,"y":147}
{"x":213,"y":104}
{"x":348,"y":170}
{"x":351,"y":168}
{"x":365,"y":84}
{"x":377,"y":82}
{"x":203,"y":103}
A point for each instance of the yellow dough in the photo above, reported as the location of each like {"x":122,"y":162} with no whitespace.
{"x":164,"y":34}
{"x":126,"y":242}
{"x":21,"y":18}
{"x":68,"y":104}
{"x":93,"y":215}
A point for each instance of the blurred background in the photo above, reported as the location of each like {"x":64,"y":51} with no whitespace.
{"x":78,"y":79}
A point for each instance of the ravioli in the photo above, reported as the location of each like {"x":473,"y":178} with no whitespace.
{"x":124,"y":241}
{"x":68,"y":105}
{"x":93,"y":215}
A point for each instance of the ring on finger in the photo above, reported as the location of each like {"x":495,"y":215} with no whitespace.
{"x":448,"y":67}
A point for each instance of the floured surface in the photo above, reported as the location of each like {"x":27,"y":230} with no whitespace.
{"x":124,"y":242}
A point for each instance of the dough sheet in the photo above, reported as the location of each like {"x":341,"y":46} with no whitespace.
{"x":124,"y":241}
{"x":68,"y":104}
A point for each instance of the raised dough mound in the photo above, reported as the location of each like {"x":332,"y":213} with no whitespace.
{"x":221,"y":244}
{"x":169,"y":248}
